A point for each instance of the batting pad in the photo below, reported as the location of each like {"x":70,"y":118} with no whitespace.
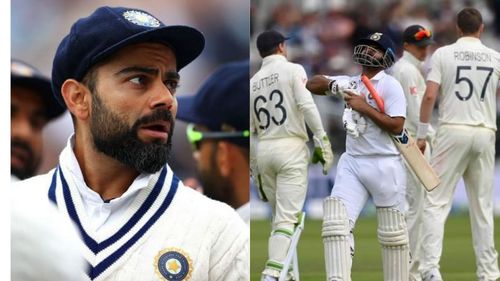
{"x":279,"y":243}
{"x":335,"y":233}
{"x":393,"y":237}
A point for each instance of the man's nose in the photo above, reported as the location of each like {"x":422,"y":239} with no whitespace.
{"x":161,"y":96}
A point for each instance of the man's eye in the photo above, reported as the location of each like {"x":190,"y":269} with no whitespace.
{"x":172,"y":85}
{"x":139,"y":80}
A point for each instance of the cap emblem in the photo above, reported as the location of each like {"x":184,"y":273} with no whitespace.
{"x":141,"y":18}
{"x":376,"y":36}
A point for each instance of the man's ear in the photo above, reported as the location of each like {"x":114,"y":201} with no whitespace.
{"x":481,"y":29}
{"x":77,"y":98}
{"x":281,"y":47}
{"x":459,"y":31}
{"x":224,"y":159}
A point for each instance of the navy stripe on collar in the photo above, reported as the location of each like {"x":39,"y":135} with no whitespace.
{"x":97,"y":247}
{"x":102,"y":266}
{"x":52,"y":188}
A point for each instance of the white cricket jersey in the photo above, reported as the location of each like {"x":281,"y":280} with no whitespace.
{"x":375,"y":141}
{"x":407,"y":70}
{"x":166,"y":232}
{"x":468,"y":73}
{"x":280,"y":102}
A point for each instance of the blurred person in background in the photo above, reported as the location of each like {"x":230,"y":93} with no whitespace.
{"x":32,"y":106}
{"x":465,"y":75}
{"x":408,"y":71}
{"x":219,"y":133}
{"x":117,"y":72}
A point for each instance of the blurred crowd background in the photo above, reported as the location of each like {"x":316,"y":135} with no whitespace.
{"x":38,"y":27}
{"x":322,"y":35}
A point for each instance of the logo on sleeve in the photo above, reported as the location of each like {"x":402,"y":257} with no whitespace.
{"x":173,"y":264}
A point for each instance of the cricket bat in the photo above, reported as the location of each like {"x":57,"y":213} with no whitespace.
{"x":408,"y":148}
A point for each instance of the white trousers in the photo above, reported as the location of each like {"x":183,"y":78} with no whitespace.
{"x":468,"y":152}
{"x":359,"y":177}
{"x":283,"y":166}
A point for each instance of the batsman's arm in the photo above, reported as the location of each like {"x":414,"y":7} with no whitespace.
{"x":428,"y":101}
{"x":329,"y":85}
{"x":318,"y":85}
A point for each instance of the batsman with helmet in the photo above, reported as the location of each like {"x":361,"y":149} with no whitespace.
{"x":371,"y":166}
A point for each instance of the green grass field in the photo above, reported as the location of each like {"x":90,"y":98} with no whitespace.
{"x":457,"y":262}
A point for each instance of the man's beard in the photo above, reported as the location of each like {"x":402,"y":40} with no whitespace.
{"x":32,"y":162}
{"x":113,"y":137}
{"x":214,"y":184}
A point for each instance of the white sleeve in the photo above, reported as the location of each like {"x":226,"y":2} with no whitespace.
{"x":435,"y":71}
{"x":394,"y":98}
{"x":305,"y":102}
{"x":230,"y":255}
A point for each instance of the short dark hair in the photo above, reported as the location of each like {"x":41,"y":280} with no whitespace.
{"x":268,"y":42}
{"x":469,"y":20}
{"x":90,"y":81}
{"x":265,"y":53}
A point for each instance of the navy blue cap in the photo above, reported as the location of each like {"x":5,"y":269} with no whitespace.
{"x":25,"y":75}
{"x":222,"y":101}
{"x":269,"y":39}
{"x":109,"y":29}
{"x":417,"y":35}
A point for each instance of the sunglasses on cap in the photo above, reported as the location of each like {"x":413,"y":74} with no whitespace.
{"x":422,"y":34}
{"x":195,"y":137}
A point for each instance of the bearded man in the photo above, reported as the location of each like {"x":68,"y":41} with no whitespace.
{"x":117,"y":74}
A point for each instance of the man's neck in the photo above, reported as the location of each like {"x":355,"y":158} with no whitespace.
{"x":370,"y":71}
{"x":239,"y":180}
{"x":103,"y":174}
{"x":476,"y":35}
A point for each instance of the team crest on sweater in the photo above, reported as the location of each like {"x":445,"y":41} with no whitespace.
{"x":173,"y":264}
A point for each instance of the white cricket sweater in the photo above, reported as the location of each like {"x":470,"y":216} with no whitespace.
{"x":167,"y":231}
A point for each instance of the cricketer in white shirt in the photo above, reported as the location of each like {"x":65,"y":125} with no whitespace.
{"x":280,"y":107}
{"x":158,"y":227}
{"x":465,"y":76}
{"x":371,"y":167}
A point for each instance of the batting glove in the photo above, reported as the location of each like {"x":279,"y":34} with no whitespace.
{"x":323,"y":153}
{"x":337,"y":88}
{"x":354,"y":123}
{"x":349,"y":123}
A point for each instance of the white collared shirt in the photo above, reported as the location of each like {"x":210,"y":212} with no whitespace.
{"x":104,"y":216}
{"x":280,"y":104}
{"x":376,"y":141}
{"x":161,"y":219}
{"x":468,"y":73}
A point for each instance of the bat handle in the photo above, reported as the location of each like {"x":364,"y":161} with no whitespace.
{"x":373,"y":92}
